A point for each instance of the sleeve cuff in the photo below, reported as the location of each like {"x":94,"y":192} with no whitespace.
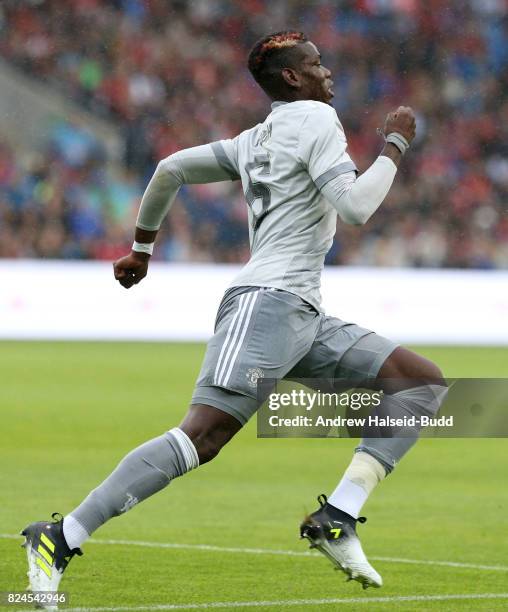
{"x":327,"y":176}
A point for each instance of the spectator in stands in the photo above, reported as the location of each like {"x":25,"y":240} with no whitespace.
{"x":172,"y":75}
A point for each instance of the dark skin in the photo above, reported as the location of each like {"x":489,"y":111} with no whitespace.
{"x":208,"y":427}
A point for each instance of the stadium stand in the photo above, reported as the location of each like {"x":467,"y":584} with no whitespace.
{"x":171,"y":74}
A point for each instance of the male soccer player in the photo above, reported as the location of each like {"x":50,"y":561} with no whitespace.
{"x":297,"y":176}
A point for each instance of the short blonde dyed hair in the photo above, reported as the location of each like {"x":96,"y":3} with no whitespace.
{"x":270,"y":55}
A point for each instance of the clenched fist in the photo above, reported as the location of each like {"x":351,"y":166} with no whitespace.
{"x":402,"y":121}
{"x":131,"y":269}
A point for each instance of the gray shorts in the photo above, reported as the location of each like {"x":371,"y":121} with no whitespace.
{"x":264,"y":332}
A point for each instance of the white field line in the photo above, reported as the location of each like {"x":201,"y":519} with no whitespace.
{"x":294,"y":602}
{"x":286,"y":553}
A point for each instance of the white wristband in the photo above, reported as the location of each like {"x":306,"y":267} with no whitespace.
{"x":143,"y":247}
{"x":399,"y":141}
{"x":395,"y":139}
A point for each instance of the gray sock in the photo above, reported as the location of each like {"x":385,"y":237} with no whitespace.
{"x":144,"y":471}
{"x":418,"y":401}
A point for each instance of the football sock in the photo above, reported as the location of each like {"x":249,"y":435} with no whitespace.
{"x":74,"y":533}
{"x":144,"y":471}
{"x":360,"y":478}
{"x":384,"y":444}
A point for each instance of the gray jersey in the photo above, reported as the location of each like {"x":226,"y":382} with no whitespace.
{"x":283,"y":162}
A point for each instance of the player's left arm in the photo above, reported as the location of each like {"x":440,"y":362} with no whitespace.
{"x":356,"y":199}
{"x":208,"y":163}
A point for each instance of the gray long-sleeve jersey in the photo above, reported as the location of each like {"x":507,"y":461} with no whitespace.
{"x":284,"y":163}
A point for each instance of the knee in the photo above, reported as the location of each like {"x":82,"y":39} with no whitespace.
{"x":209,"y":429}
{"x":430,"y":373}
{"x":404,"y":364}
{"x":207,"y":446}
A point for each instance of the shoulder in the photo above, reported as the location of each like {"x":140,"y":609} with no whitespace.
{"x":244,"y":138}
{"x":310,"y":108}
{"x":320,"y":116}
{"x":318,"y":109}
{"x":305,"y":108}
{"x":309,"y":117}
{"x":321,"y":134}
{"x":312,"y":120}
{"x":248,"y":136}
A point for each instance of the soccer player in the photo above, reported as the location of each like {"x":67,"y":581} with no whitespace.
{"x":297,"y":177}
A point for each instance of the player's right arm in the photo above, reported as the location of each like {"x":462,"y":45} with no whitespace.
{"x":208,"y":163}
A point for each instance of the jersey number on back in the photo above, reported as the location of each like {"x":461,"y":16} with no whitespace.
{"x":256,"y":190}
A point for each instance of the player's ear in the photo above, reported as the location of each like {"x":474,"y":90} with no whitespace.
{"x":291,"y":78}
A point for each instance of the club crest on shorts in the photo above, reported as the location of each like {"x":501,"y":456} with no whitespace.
{"x":253,"y":375}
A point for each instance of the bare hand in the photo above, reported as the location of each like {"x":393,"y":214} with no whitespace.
{"x":402,"y":121}
{"x":131,"y":269}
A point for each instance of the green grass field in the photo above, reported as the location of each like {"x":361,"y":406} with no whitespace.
{"x":70,"y":411}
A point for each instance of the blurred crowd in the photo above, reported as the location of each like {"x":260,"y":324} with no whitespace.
{"x":171,"y":74}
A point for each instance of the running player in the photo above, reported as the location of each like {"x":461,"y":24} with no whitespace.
{"x":297,"y":177}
